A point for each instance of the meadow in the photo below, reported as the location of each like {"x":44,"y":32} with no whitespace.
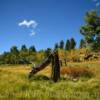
{"x":15,"y":85}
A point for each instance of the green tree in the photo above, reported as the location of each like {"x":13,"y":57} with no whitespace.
{"x":6,"y":58}
{"x":24,"y":55}
{"x":56,"y":46}
{"x":32,"y":49}
{"x":72,"y":43}
{"x":82,"y":44}
{"x":14,"y":55}
{"x":14,"y":50}
{"x":61,"y":45}
{"x":96,"y":44}
{"x":91,"y":30}
{"x":67,"y":46}
{"x":24,"y":48}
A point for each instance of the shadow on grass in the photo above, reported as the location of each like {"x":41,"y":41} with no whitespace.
{"x":39,"y":77}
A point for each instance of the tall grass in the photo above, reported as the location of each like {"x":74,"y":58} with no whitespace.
{"x":15,"y":85}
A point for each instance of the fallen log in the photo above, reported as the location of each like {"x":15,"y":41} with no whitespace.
{"x":52,"y":58}
{"x":41,"y":66}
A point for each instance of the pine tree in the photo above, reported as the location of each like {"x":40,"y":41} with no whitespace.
{"x":32,"y":49}
{"x":61,"y":46}
{"x":67,"y":46}
{"x":72,"y":43}
{"x":91,"y":30}
{"x":14,"y":55}
{"x":56,"y":46}
{"x":82,"y":43}
{"x":24,"y":48}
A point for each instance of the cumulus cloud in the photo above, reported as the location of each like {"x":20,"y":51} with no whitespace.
{"x":30,"y":24}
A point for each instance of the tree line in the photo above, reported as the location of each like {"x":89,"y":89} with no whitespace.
{"x":15,"y":56}
{"x":69,"y":45}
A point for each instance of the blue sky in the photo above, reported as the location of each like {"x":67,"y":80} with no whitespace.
{"x":55,"y":20}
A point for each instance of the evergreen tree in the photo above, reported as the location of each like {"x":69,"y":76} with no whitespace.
{"x":14,"y":50}
{"x":6,"y":58}
{"x":32,"y":49}
{"x":72,"y":43}
{"x":96,"y":44}
{"x":56,"y":46}
{"x":61,"y":46}
{"x":24,"y":48}
{"x":14,"y":55}
{"x":82,"y":43}
{"x":67,"y":46}
{"x":91,"y":30}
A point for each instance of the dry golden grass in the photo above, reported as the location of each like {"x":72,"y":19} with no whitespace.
{"x":76,"y":71}
{"x":22,"y":69}
{"x":15,"y":85}
{"x":46,"y":71}
{"x":72,"y":69}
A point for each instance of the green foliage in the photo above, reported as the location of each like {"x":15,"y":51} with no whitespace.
{"x":67,"y":46}
{"x":91,"y":30}
{"x":13,"y":55}
{"x":24,"y":48}
{"x":32,"y":49}
{"x":72,"y":43}
{"x":96,"y":44}
{"x":14,"y":50}
{"x":61,"y":45}
{"x":6,"y":57}
{"x":82,"y":44}
{"x":56,"y":46}
{"x":21,"y":56}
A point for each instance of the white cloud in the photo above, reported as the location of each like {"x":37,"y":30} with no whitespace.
{"x":97,"y":4}
{"x":32,"y":33}
{"x":31,"y":24}
{"x":28,"y":24}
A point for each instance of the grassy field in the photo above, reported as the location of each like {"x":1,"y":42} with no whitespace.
{"x":15,"y":85}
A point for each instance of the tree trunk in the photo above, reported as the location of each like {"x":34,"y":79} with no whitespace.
{"x":55,"y":67}
{"x":54,"y":58}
